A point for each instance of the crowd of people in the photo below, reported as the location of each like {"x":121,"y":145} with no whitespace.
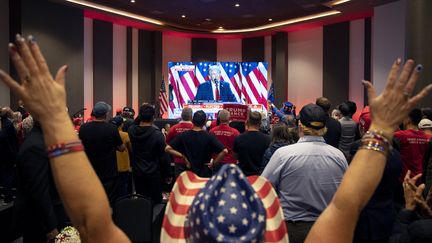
{"x":338,"y":180}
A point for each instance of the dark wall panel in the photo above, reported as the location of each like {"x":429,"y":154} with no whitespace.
{"x":102,"y":61}
{"x":145,"y":65}
{"x":253,"y":49}
{"x":418,"y":38}
{"x":59,"y":30}
{"x":336,"y":62}
{"x":280,"y":66}
{"x":149,"y":65}
{"x":204,"y":50}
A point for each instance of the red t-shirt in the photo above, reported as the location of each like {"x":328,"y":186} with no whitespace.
{"x":413,"y":146}
{"x":176,"y":130}
{"x":226,"y":135}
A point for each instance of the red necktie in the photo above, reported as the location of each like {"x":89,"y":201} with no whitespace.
{"x":217,"y":91}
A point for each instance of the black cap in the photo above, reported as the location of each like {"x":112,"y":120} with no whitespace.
{"x":313,"y":116}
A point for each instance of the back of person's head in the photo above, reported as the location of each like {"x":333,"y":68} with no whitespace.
{"x":290,"y":121}
{"x":345,"y":109}
{"x":254,"y":119}
{"x":313,"y":120}
{"x":199,"y":118}
{"x":324,"y":103}
{"x":352,"y":107}
{"x":186,"y":114}
{"x":224,"y":116}
{"x":425,"y":124}
{"x":146,"y":113}
{"x":101,"y":109}
{"x":280,"y":133}
{"x":427,"y":112}
{"x":117,"y":120}
{"x":415,"y":116}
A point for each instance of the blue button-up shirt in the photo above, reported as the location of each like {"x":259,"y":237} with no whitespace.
{"x":306,"y":175}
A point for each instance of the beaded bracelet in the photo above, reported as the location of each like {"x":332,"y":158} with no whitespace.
{"x":375,"y":145}
{"x":378,"y":136}
{"x":64,"y":148}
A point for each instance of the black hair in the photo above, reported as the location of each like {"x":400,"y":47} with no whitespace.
{"x":146,"y":113}
{"x":199,"y":118}
{"x":345,"y":109}
{"x":415,"y":116}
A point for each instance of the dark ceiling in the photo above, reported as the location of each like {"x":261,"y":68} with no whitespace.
{"x":208,"y":15}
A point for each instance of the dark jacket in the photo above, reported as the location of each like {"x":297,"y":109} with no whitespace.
{"x":37,"y":208}
{"x":377,"y":217}
{"x":334,"y":131}
{"x":8,"y":141}
{"x":205,"y":92}
{"x":270,"y":151}
{"x":148,"y":146}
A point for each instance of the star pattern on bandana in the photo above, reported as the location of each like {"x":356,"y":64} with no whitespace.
{"x":226,"y":210}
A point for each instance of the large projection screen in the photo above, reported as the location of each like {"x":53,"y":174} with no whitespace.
{"x":239,"y":83}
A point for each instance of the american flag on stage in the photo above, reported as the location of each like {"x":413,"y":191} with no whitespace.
{"x":187,"y":187}
{"x":254,"y":82}
{"x":163,"y":99}
{"x":183,"y":82}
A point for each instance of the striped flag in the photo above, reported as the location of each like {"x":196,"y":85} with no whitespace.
{"x":163,"y":99}
{"x":188,"y":185}
{"x":254,"y":81}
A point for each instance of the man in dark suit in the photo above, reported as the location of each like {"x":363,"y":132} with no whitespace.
{"x":215,"y":89}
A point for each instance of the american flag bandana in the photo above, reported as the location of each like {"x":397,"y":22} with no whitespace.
{"x":225,"y":208}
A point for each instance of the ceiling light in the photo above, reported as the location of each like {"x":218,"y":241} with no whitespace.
{"x":278,"y":24}
{"x":115,"y":11}
{"x":270,"y":19}
{"x":183,"y":16}
{"x":208,"y":19}
{"x":220,"y":27}
{"x":132,"y":1}
{"x":237,"y":5}
{"x":335,"y":2}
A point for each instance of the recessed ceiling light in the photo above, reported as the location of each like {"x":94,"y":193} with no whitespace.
{"x":132,"y":1}
{"x":208,"y":19}
{"x":270,"y":19}
{"x":237,"y":5}
{"x":183,"y":16}
{"x":335,"y":2}
{"x":115,"y":11}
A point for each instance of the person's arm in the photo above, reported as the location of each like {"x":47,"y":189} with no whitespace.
{"x":178,"y":154}
{"x":121,"y":148}
{"x":78,"y":185}
{"x":174,"y":149}
{"x":338,"y":221}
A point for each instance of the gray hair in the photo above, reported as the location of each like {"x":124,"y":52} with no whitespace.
{"x":214,"y":67}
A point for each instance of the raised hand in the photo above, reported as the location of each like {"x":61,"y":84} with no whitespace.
{"x":41,"y":93}
{"x":395,"y":102}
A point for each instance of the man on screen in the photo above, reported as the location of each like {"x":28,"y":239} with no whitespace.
{"x":215,"y":89}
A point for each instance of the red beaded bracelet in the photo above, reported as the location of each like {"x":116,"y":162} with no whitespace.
{"x":64,"y":148}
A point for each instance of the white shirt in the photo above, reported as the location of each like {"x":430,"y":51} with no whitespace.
{"x":214,"y":89}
